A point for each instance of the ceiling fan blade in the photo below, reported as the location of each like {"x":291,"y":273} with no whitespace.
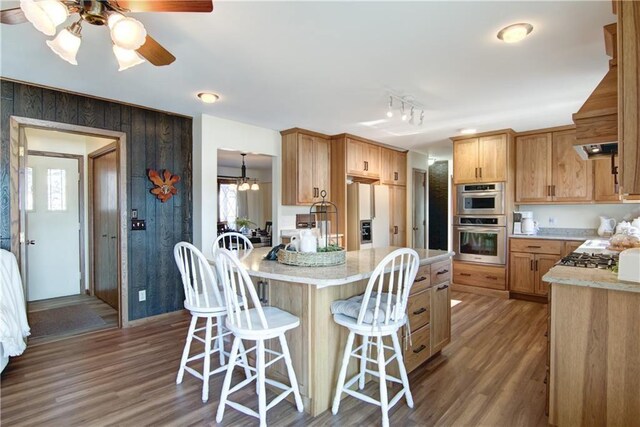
{"x":165,"y":5}
{"x":12,"y":16}
{"x":153,"y":52}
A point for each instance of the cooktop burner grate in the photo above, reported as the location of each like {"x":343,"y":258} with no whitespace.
{"x":586,"y":260}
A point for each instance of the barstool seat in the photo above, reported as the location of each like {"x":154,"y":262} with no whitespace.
{"x":279,"y":322}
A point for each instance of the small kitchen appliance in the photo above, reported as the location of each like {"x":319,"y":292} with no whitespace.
{"x":629,"y":265}
{"x":529,"y":226}
{"x":517,"y":222}
{"x":480,"y":199}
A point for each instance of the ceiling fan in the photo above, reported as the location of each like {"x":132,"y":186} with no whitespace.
{"x":131,"y":43}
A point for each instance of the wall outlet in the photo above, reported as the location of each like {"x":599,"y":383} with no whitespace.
{"x":142,"y":295}
{"x":552,"y":220}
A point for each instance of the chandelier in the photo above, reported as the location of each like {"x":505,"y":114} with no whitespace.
{"x":408,"y":109}
{"x":242,"y":182}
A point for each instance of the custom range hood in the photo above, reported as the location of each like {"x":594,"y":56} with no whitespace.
{"x":597,"y":120}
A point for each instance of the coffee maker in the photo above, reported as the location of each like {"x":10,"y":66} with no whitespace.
{"x":523,"y":223}
{"x":517,"y":222}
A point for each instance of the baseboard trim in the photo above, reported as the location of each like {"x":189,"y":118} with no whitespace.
{"x":526,"y":297}
{"x":157,"y":317}
{"x":480,"y":291}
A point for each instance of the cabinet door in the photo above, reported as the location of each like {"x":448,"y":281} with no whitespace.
{"x":521,"y":272}
{"x":572,"y":176}
{"x":401,"y":169}
{"x":604,"y":181}
{"x":397,"y":216}
{"x":305,"y":169}
{"x":465,"y":161}
{"x":372,"y":158}
{"x":533,"y":168}
{"x":321,"y":167}
{"x":492,"y":155}
{"x":387,"y":166}
{"x":355,"y":158}
{"x":542,"y":264}
{"x":440,"y":317}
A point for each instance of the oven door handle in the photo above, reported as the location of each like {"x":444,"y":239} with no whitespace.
{"x":496,"y":230}
{"x":482,"y":194}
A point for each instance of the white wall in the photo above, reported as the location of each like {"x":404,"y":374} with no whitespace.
{"x":579,"y":216}
{"x":70,"y":143}
{"x":211,"y":134}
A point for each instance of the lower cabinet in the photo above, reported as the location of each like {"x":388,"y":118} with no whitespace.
{"x":480,"y":275}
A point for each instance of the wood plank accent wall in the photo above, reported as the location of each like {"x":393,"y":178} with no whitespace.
{"x":154,"y":140}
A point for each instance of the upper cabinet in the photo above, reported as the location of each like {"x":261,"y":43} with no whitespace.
{"x":480,"y":159}
{"x":393,"y":167}
{"x":605,"y":188}
{"x":548,"y":169}
{"x":363,"y":159}
{"x":628,"y":37}
{"x":306,"y":167}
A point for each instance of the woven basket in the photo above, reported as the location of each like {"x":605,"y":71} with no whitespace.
{"x":312,"y":259}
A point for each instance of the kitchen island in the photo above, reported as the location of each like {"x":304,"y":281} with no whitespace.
{"x":318,"y":343}
{"x":594,"y":348}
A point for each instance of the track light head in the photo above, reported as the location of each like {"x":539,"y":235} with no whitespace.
{"x":421,"y":117}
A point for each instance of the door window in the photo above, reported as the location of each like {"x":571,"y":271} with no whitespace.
{"x":56,"y":190}
{"x":479,"y":243}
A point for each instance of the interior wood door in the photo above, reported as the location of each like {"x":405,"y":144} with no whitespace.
{"x":521,"y":277}
{"x":105,"y":229}
{"x":440,"y":317}
{"x":542,"y":264}
{"x":492,"y":155}
{"x":321,"y":167}
{"x":572,"y":176}
{"x":306,"y":152}
{"x":604,"y":181}
{"x":419,"y":209}
{"x":533,"y":168}
{"x":465,"y":161}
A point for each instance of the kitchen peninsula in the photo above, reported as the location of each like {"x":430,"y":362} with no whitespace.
{"x":317,"y":345}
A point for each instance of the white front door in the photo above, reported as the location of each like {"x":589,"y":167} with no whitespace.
{"x":53,"y":224}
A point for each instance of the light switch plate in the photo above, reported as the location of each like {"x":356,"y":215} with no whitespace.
{"x":142,"y":295}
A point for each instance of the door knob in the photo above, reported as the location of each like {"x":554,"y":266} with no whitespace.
{"x":415,"y":228}
{"x":30,"y":242}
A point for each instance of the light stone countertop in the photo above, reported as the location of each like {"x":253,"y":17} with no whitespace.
{"x":360,"y":264}
{"x":589,"y":277}
{"x":554,"y":237}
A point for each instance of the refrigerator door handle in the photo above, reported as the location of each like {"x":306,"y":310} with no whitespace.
{"x":373,"y":201}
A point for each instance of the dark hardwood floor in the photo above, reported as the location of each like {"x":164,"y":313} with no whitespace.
{"x":491,"y":374}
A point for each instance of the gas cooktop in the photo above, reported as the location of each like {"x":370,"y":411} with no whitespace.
{"x":587,"y":260}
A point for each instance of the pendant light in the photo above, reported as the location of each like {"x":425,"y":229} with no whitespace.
{"x":255,"y":186}
{"x":67,"y":43}
{"x":45,"y":15}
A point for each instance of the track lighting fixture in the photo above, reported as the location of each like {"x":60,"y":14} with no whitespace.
{"x":405,"y":102}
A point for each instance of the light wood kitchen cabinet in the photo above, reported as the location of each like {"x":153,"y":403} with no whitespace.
{"x":440,"y":316}
{"x":521,"y":277}
{"x":542,"y":264}
{"x":306,"y":167}
{"x":548,"y":169}
{"x":480,"y":275}
{"x":393,"y":167}
{"x":628,"y":38}
{"x":604,"y":189}
{"x":363,"y":159}
{"x":480,"y":159}
{"x":397,"y":215}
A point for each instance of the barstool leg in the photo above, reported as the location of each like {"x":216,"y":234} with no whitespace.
{"x":403,"y":371}
{"x":207,"y":360}
{"x":220,"y":338}
{"x":292,"y":374}
{"x":384,"y":403}
{"x":245,"y":361}
{"x":187,"y":347}
{"x":226,"y":385}
{"x":343,"y":373}
{"x":262,"y":393}
{"x":363,"y":361}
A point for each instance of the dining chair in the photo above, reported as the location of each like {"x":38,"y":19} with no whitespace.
{"x":257,"y":324}
{"x":204,"y":300}
{"x":231,"y":240}
{"x":380,"y":312}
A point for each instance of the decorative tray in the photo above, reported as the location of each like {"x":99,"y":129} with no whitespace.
{"x":312,"y":259}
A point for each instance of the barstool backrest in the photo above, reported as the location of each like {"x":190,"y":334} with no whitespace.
{"x":199,"y":282}
{"x":231,"y":240}
{"x":392,"y":279}
{"x":239,"y":292}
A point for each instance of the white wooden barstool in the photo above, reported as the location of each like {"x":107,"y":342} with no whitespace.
{"x":204,"y":300}
{"x":253,"y":324}
{"x":381,"y":313}
{"x":231,"y":241}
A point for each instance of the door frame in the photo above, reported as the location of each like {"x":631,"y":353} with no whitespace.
{"x":81,"y":206}
{"x":426,"y":207}
{"x":18,"y":148}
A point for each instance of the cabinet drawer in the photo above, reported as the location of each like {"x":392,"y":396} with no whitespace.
{"x":423,"y":279}
{"x":537,"y":246}
{"x":441,"y":272}
{"x":420,"y":351}
{"x":419,"y":309}
{"x":483,"y":276}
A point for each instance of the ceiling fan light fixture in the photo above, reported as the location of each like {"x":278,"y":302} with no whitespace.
{"x":113,"y":18}
{"x":128,"y":33}
{"x":39,"y":16}
{"x":55,"y":10}
{"x":67,"y":43}
{"x":127,"y":58}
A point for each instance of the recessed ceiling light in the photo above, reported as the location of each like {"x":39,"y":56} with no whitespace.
{"x":468,"y":131}
{"x":515,"y":33}
{"x":208,"y":98}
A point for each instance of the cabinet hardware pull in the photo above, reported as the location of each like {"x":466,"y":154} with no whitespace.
{"x":548,"y":190}
{"x":442,"y":272}
{"x":545,"y":380}
{"x":104,"y":235}
{"x":420,"y":279}
{"x":442,"y":288}
{"x":492,"y":277}
{"x":535,"y":247}
{"x":553,"y":190}
{"x":536,"y":265}
{"x":395,"y":176}
{"x":476,"y":172}
{"x":465,"y":274}
{"x":546,"y":333}
{"x":420,"y":311}
{"x":480,"y":172}
{"x":395,"y":229}
{"x":419,"y":349}
{"x":531,"y":267}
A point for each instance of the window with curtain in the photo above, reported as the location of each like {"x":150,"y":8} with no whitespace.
{"x":227,"y":203}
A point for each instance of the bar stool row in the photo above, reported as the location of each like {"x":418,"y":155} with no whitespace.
{"x":228,"y":302}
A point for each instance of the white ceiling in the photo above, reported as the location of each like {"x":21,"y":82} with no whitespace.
{"x":328,"y":66}
{"x":233,"y":159}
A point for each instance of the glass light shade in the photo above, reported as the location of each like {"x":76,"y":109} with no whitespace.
{"x":244,"y":186}
{"x":255,"y":186}
{"x":128,"y":33}
{"x":404,"y":117}
{"x":126,"y":58}
{"x":40,"y":17}
{"x":66,"y":45}
{"x":389,"y":113}
{"x":233,"y":186}
{"x":55,"y":10}
{"x":113,"y":19}
{"x":515,"y":33}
